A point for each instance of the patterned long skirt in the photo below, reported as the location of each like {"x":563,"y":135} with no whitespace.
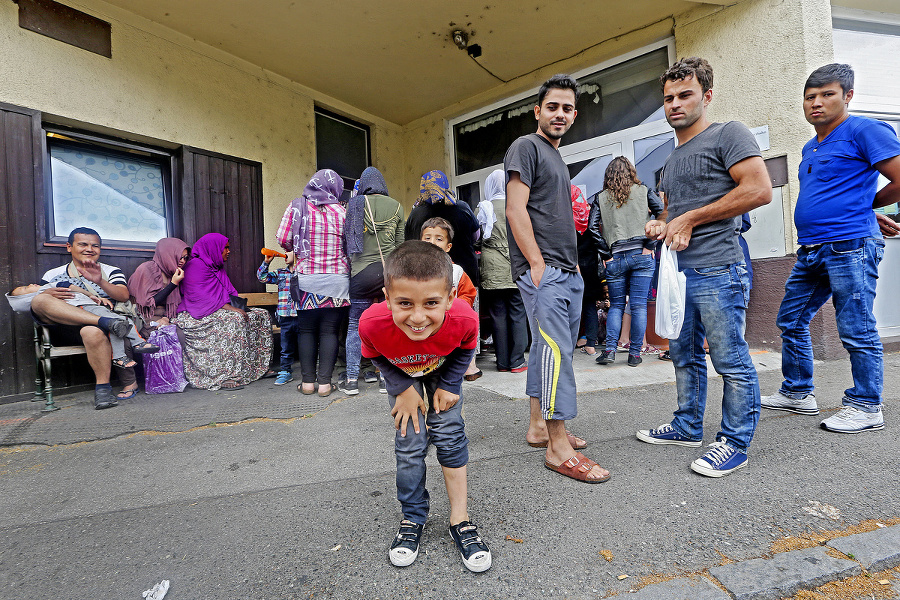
{"x":224,"y":348}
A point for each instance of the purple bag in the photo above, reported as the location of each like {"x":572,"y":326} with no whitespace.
{"x":164,"y":370}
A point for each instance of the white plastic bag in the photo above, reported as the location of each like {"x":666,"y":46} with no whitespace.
{"x":670,"y":292}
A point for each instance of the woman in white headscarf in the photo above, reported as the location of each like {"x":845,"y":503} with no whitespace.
{"x":498,"y":291}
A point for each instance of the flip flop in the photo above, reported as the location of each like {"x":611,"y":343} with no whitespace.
{"x":572,"y":440}
{"x":584,"y":350}
{"x":128,"y":394}
{"x":270,"y":374}
{"x":577,"y":468}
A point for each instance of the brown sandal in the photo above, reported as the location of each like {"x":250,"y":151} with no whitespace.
{"x":572,"y":440}
{"x":578,"y":467}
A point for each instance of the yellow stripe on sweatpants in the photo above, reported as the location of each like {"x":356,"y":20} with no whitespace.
{"x":557,"y":361}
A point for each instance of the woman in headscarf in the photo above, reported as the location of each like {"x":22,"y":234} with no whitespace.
{"x":224,"y":346}
{"x":436,"y":200}
{"x":373,"y":230}
{"x":500,"y":294}
{"x":588,"y":264}
{"x":322,"y":277}
{"x":154,"y":285}
{"x":622,"y":210}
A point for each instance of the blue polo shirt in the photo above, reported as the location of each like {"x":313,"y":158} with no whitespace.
{"x":838,"y":182}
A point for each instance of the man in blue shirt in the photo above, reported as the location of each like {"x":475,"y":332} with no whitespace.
{"x":840,"y":248}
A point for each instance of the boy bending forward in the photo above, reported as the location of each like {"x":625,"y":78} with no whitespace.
{"x":423,"y":341}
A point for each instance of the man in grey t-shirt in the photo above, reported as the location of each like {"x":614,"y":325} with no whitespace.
{"x":713,"y":176}
{"x":542,"y":248}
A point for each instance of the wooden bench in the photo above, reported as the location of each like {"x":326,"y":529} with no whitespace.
{"x":267,"y":300}
{"x":45,"y":352}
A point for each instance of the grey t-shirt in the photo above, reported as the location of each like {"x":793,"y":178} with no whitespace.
{"x":696,"y":174}
{"x":543,"y":170}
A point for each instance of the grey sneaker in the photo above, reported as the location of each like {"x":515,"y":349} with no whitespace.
{"x":370,"y":377}
{"x":382,"y":386}
{"x":778,"y":401}
{"x":852,"y":420}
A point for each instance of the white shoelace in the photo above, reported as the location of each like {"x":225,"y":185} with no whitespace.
{"x":847,"y":413}
{"x":718,"y":453}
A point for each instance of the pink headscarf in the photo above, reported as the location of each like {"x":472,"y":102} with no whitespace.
{"x":152,"y":276}
{"x":206,"y":287}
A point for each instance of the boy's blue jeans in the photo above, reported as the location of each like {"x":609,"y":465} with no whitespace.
{"x":716,"y":308}
{"x":446,"y":431}
{"x":289,"y":333}
{"x":846,"y":271}
{"x":629,"y":274}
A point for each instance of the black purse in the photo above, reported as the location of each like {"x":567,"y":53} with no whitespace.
{"x":237,"y":302}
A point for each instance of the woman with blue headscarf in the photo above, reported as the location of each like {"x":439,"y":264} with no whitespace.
{"x":436,"y":200}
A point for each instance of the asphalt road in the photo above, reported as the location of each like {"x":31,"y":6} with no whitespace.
{"x":305,"y":507}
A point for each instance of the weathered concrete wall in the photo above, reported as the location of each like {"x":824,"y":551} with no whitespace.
{"x":164,"y":86}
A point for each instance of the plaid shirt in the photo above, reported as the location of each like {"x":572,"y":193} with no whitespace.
{"x":326,"y":240}
{"x":282,"y":277}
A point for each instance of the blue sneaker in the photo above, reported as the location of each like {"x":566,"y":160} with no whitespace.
{"x":283,"y":377}
{"x":664,"y":434}
{"x":720,"y":460}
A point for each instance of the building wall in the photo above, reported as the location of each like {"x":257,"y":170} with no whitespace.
{"x":164,"y":86}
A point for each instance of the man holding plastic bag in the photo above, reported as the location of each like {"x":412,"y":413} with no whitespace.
{"x":714,"y":175}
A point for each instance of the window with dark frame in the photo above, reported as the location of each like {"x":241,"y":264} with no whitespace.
{"x":121,"y":189}
{"x":342,"y":145}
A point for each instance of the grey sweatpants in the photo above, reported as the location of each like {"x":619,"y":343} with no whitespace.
{"x":554,"y":314}
{"x":117,"y":343}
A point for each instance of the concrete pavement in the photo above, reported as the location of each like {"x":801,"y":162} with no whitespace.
{"x":266,"y":493}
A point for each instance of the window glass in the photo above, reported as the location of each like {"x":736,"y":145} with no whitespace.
{"x":872,"y":50}
{"x":469,"y":193}
{"x":616,"y":98}
{"x":120,"y":194}
{"x":341,"y":145}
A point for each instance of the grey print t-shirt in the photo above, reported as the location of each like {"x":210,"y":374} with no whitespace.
{"x":696,"y":174}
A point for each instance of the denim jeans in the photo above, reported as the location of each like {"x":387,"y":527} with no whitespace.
{"x":846,"y":271}
{"x":290,"y":330}
{"x":353,"y":345}
{"x":628,"y":273}
{"x":446,"y":431}
{"x":507,"y":311}
{"x":590,"y":321}
{"x":716,"y":308}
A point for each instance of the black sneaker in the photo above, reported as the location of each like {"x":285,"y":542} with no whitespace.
{"x":606,"y":357}
{"x":474,"y":552}
{"x":405,"y":547}
{"x":351,"y":388}
{"x":370,"y":377}
{"x":382,"y":386}
{"x":634,"y":361}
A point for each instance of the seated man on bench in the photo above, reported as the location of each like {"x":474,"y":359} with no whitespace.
{"x":50,"y":308}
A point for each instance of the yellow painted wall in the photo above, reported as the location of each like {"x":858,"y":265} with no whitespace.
{"x":165,"y":86}
{"x":761,"y":52}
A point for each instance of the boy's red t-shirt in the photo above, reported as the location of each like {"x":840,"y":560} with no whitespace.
{"x":381,"y":337}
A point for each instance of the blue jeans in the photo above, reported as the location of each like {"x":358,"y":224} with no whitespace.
{"x":846,"y":271}
{"x":290,"y":329}
{"x":716,"y":308}
{"x":448,"y":434}
{"x":353,"y":345}
{"x":628,"y":274}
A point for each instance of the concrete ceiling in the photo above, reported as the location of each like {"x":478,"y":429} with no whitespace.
{"x":395,"y":58}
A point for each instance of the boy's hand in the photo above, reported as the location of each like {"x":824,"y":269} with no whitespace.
{"x":443,"y":400}
{"x":103,"y":302}
{"x":407,"y":404}
{"x":268,"y":258}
